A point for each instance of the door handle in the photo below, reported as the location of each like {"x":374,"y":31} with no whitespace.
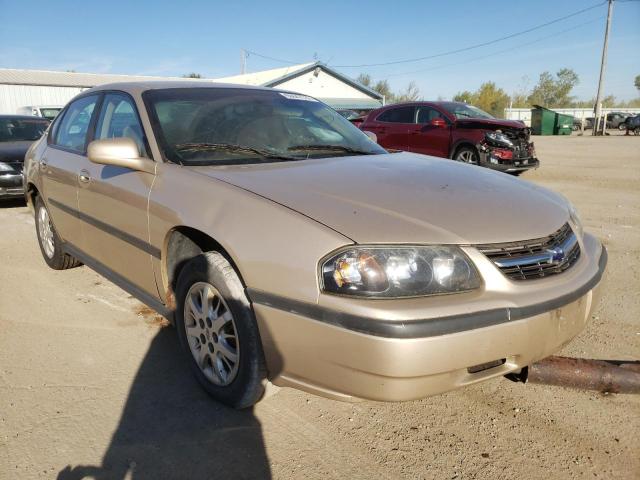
{"x":84,"y":176}
{"x":43,"y":162}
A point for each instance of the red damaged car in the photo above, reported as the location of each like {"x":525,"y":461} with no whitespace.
{"x":454,"y":130}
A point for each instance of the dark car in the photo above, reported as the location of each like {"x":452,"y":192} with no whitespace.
{"x":616,"y":120}
{"x":454,"y":130}
{"x":17,"y":133}
{"x":632,"y":125}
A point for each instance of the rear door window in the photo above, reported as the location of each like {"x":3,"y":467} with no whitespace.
{"x":398,"y":115}
{"x":72,"y":131}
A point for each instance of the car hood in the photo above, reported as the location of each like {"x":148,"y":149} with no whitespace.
{"x":490,"y":124}
{"x":14,"y":151}
{"x":404,"y":198}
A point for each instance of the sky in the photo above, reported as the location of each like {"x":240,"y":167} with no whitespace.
{"x":173,"y":38}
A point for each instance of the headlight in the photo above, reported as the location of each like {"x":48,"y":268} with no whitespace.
{"x":499,"y":139}
{"x":575,"y":221}
{"x":5,"y":168}
{"x":391,"y":272}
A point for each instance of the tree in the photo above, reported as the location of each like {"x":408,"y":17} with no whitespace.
{"x":364,"y":79}
{"x":520,"y":100}
{"x":464,"y":97}
{"x":383,"y":88}
{"x":192,"y":75}
{"x":411,"y":93}
{"x":636,"y":82}
{"x":488,"y":97}
{"x":554,"y":92}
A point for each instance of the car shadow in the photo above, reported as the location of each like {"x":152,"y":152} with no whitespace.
{"x":170,"y":428}
{"x":12,"y":203}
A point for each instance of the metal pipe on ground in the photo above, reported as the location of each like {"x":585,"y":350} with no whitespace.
{"x":610,"y":376}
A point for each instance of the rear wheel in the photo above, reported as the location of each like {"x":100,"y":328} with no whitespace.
{"x":49,"y":241}
{"x":218,"y":331}
{"x":467,"y":155}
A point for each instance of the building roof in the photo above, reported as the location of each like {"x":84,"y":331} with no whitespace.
{"x":277,"y":76}
{"x":73,"y":79}
{"x":266,"y":78}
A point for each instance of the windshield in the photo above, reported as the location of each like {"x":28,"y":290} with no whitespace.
{"x":50,"y":113}
{"x":19,"y":129}
{"x":462,"y":110}
{"x":209,"y":126}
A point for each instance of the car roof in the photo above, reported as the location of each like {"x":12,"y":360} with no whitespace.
{"x":140,"y":87}
{"x":423,"y":103}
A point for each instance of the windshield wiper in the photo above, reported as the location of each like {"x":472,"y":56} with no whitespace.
{"x":335,"y":148}
{"x":229,"y":147}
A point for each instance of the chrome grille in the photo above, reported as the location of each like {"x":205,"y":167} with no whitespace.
{"x":537,"y":258}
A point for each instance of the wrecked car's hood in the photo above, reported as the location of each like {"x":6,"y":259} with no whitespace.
{"x":405,"y":198}
{"x":490,"y":124}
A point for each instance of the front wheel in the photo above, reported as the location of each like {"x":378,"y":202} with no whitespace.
{"x":49,"y":241}
{"x":218,"y":331}
{"x":467,"y":155}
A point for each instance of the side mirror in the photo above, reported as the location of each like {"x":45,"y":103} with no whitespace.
{"x":438,"y":122}
{"x":119,"y":152}
{"x":371,"y":135}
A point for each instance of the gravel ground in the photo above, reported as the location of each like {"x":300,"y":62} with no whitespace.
{"x":92,"y":384}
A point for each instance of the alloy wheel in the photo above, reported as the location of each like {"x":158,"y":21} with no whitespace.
{"x":46,"y":232}
{"x":211,"y":333}
{"x":467,"y":156}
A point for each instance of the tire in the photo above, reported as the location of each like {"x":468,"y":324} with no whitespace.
{"x":225,"y":352}
{"x":467,"y":155}
{"x":49,"y":241}
{"x":636,"y":131}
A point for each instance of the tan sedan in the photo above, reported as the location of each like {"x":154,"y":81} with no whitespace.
{"x":288,"y":247}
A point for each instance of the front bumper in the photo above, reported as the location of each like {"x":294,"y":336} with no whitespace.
{"x":509,"y":166}
{"x":345,"y":357}
{"x":11,"y":185}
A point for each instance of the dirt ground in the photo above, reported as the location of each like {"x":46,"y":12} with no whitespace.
{"x":92,"y":385}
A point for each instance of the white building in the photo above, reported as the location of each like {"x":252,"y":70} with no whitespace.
{"x":21,"y":88}
{"x":316,"y":80}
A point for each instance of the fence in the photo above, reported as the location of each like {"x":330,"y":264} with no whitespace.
{"x":524,"y":114}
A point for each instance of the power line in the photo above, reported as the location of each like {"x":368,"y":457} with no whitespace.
{"x":540,"y":39}
{"x":251,"y":52}
{"x":472,"y":47}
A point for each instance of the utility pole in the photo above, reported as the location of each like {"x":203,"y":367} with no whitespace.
{"x":603,"y":65}
{"x":243,"y":61}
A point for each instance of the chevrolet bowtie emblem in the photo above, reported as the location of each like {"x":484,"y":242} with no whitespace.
{"x":556,"y":255}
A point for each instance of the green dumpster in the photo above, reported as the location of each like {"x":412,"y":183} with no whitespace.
{"x":543,"y":120}
{"x":564,"y":124}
